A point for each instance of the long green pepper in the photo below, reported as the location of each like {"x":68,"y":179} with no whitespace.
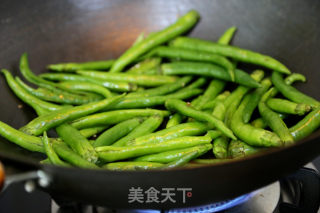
{"x":147,"y":127}
{"x":111,"y":153}
{"x":208,"y":70}
{"x":114,"y":117}
{"x":236,"y":53}
{"x":116,"y":132}
{"x":44,"y":122}
{"x":183,"y":108}
{"x":180,"y":130}
{"x":182,"y":25}
{"x":169,"y":156}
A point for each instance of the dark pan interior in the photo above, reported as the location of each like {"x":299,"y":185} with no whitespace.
{"x":80,"y":30}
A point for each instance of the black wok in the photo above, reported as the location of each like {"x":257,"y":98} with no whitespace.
{"x":80,"y":30}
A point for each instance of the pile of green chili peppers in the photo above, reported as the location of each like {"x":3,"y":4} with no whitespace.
{"x":168,"y":101}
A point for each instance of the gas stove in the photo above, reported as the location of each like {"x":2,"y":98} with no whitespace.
{"x":296,"y":193}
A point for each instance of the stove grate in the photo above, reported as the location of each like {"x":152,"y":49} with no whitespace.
{"x":214,"y":207}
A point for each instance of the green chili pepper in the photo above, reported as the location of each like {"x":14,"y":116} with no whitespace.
{"x":182,"y":161}
{"x":132,"y":165}
{"x":214,"y":134}
{"x":182,"y":25}
{"x":147,"y":127}
{"x":143,"y":102}
{"x":196,"y":84}
{"x":44,"y":122}
{"x":63,"y":98}
{"x":141,"y":80}
{"x":288,"y":107}
{"x":146,"y":67}
{"x":77,"y":142}
{"x":35,"y":144}
{"x":208,"y":70}
{"x":255,"y":97}
{"x":169,"y":156}
{"x":236,"y":53}
{"x":72,"y":67}
{"x":290,"y":92}
{"x":307,"y":125}
{"x":210,"y":161}
{"x":238,"y":149}
{"x":88,"y":132}
{"x":139,"y":39}
{"x":260,"y":123}
{"x":41,"y":107}
{"x":180,"y":130}
{"x":52,"y":156}
{"x":227,"y":36}
{"x":294,"y":77}
{"x":220,"y":98}
{"x":231,"y":103}
{"x":249,"y":134}
{"x":114,"y":117}
{"x":162,"y":90}
{"x":214,"y":88}
{"x":114,"y":86}
{"x":28,"y":75}
{"x":71,"y":157}
{"x":28,"y":142}
{"x":174,"y":120}
{"x":274,"y":121}
{"x":183,"y":108}
{"x":220,"y":147}
{"x":116,"y":132}
{"x":111,"y":153}
{"x":86,"y":86}
{"x":194,"y":55}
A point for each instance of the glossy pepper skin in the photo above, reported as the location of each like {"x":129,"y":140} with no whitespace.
{"x":292,"y":93}
{"x":40,"y":106}
{"x":118,"y":86}
{"x":232,"y":52}
{"x":274,"y":121}
{"x":111,"y":153}
{"x":145,"y":128}
{"x":185,"y":129}
{"x":54,"y":96}
{"x":44,"y":122}
{"x":249,"y":134}
{"x":35,"y":144}
{"x":49,"y":150}
{"x":194,"y":55}
{"x":114,"y":117}
{"x":170,"y":156}
{"x":241,"y":149}
{"x":87,"y":86}
{"x":141,"y":80}
{"x":207,"y":70}
{"x":182,"y":25}
{"x":111,"y":135}
{"x":307,"y":125}
{"x":288,"y":107}
{"x":72,"y":67}
{"x":77,"y":142}
{"x":183,"y":108}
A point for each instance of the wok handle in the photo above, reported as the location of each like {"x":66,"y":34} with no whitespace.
{"x":31,"y":178}
{"x":2,"y":176}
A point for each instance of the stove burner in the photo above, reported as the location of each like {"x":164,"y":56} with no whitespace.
{"x":214,"y":207}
